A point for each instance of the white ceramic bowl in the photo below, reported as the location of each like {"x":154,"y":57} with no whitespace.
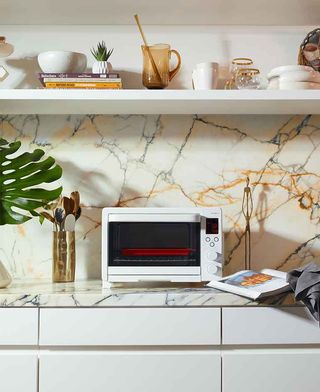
{"x":273,"y":84}
{"x":288,"y":85}
{"x":62,"y":62}
{"x":288,"y":68}
{"x":301,"y":76}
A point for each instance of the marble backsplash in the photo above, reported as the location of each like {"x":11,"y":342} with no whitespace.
{"x":178,"y":161}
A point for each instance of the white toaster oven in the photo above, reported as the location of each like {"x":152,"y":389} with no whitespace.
{"x":161,"y":244}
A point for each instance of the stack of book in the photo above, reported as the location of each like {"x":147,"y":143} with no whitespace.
{"x":81,"y":81}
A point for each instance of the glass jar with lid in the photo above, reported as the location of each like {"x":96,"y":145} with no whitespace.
{"x":248,"y":79}
{"x":237,"y":64}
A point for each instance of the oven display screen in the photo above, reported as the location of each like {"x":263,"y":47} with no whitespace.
{"x":212,"y":226}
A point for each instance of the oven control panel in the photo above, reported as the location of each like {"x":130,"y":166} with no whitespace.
{"x":211,"y":245}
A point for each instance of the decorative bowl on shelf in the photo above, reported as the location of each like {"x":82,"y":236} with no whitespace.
{"x":294,"y":77}
{"x":62,"y":62}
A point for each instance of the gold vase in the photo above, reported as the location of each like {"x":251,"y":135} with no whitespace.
{"x":64,"y":256}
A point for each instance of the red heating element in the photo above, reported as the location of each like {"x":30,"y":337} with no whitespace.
{"x":156,"y":252}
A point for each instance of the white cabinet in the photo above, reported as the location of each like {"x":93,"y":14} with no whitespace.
{"x":271,"y":370}
{"x":283,"y":325}
{"x":131,"y":371}
{"x":153,"y":349}
{"x":18,"y":371}
{"x":18,"y":326}
{"x":130,"y":327}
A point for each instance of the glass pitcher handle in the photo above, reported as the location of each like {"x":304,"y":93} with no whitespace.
{"x":173,"y":73}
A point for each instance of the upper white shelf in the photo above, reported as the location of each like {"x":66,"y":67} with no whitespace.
{"x":164,"y":12}
{"x":159,"y":102}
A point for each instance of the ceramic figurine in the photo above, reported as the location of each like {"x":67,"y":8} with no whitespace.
{"x":309,"y":53}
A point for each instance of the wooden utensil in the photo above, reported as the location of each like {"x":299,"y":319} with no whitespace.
{"x":78,"y":213}
{"x":75,"y":196}
{"x":69,"y":222}
{"x":50,"y":218}
{"x":71,"y":206}
{"x":47,"y":216}
{"x":154,"y":66}
{"x":68,"y":205}
{"x":59,"y":215}
{"x":65,"y":204}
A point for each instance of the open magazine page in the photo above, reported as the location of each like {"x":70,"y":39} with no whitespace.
{"x":279,"y":274}
{"x":252,"y":284}
{"x":255,"y":281}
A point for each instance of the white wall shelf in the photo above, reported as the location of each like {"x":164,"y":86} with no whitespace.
{"x":159,"y":102}
{"x":179,"y":12}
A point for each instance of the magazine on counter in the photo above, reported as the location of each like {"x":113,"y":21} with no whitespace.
{"x":253,"y":284}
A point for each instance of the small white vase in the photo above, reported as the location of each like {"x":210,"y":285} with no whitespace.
{"x":101,"y":67}
{"x":5,"y":277}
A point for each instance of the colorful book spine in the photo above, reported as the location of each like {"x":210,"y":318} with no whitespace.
{"x":78,"y":80}
{"x":110,"y":75}
{"x":84,"y":85}
{"x":111,"y":80}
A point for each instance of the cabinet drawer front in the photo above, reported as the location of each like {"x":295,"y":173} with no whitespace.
{"x":293,"y":370}
{"x":18,"y":326}
{"x":134,"y":371}
{"x":269,"y":326}
{"x":130,"y":326}
{"x":18,"y":371}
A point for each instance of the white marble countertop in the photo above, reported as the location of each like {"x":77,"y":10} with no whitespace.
{"x":91,"y":294}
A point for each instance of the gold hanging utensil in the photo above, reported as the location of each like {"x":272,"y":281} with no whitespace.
{"x":247,"y":209}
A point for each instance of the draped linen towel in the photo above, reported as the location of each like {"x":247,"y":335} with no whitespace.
{"x":305,"y":282}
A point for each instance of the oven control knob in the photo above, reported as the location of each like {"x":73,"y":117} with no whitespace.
{"x":212,"y":269}
{"x":212,"y":255}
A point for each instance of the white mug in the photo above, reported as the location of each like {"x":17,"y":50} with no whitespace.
{"x":205,"y":76}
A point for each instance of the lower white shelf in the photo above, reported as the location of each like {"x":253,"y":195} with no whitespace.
{"x":159,"y":102}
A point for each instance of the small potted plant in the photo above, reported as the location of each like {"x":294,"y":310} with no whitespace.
{"x":20,"y":194}
{"x":102,"y":55}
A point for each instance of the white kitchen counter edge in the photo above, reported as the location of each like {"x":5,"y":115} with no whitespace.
{"x":91,"y":294}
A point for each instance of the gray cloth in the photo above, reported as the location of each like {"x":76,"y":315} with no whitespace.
{"x":305,"y":282}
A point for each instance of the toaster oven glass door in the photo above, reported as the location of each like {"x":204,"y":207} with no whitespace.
{"x":154,"y":244}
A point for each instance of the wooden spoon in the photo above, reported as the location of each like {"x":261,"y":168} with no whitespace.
{"x":154,"y":66}
{"x":75,"y":196}
{"x":66,"y":204}
{"x":50,"y":218}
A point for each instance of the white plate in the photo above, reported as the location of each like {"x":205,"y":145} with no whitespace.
{"x":288,"y":68}
{"x":288,"y":85}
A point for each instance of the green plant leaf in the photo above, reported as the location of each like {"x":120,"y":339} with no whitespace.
{"x":101,"y":53}
{"x":20,"y":177}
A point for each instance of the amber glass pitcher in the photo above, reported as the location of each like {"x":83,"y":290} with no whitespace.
{"x":157,"y":75}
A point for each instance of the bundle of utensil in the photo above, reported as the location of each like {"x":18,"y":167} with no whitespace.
{"x":66,"y":213}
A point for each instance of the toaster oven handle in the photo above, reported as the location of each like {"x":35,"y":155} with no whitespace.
{"x":150,"y":217}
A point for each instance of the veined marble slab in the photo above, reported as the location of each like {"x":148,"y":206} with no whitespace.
{"x":90,"y":293}
{"x":177,"y":161}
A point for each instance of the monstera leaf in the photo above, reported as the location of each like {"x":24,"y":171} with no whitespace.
{"x":19,"y":177}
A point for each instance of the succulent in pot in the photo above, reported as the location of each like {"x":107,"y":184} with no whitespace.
{"x":21,"y":194}
{"x":102,"y":55}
